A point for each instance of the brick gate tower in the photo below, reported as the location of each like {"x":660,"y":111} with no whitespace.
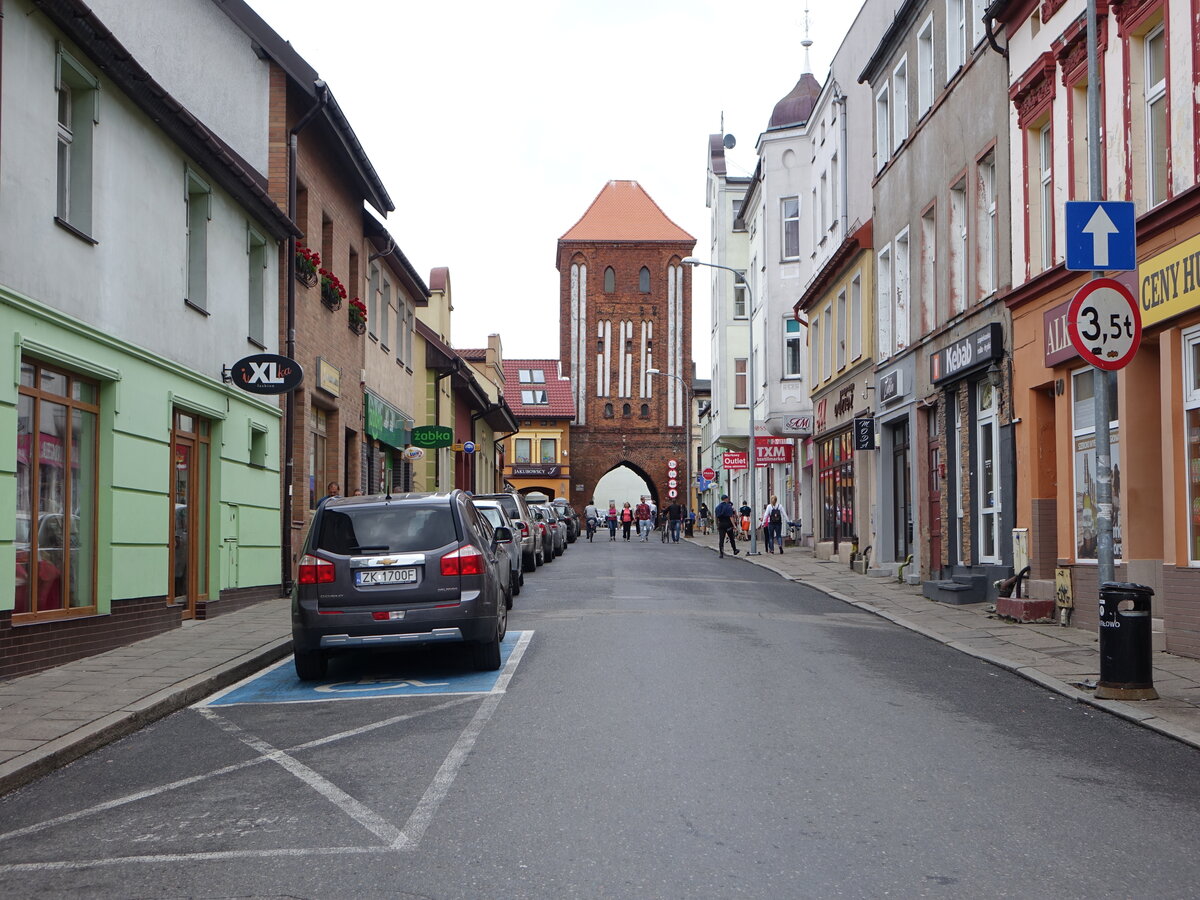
{"x":626,"y":306}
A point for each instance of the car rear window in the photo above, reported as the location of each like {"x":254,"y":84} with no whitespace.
{"x":386,"y":529}
{"x":492,"y":515}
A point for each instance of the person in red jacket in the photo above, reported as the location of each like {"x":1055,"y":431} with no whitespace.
{"x":643,"y":515}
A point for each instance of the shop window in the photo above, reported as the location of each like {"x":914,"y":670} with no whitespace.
{"x":1191,"y":402}
{"x":1084,"y":449}
{"x":318,"y":469}
{"x":987,"y":440}
{"x":523,"y":450}
{"x":56,"y":455}
{"x":549,"y":448}
{"x":835,"y":460}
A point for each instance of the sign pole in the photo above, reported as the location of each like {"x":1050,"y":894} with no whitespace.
{"x":1102,"y":379}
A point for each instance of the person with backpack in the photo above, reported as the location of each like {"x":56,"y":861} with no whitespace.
{"x":773,"y":524}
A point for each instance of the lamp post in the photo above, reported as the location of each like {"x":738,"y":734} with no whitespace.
{"x":750,"y":389}
{"x":687,"y":443}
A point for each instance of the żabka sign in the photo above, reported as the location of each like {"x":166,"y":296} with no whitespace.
{"x":266,"y":373}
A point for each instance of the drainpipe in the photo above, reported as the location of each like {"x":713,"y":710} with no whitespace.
{"x":843,"y":176}
{"x":289,"y":413}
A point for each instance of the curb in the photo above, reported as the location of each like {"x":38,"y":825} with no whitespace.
{"x":27,"y":767}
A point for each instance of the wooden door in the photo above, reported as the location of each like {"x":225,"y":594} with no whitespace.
{"x":935,"y":472}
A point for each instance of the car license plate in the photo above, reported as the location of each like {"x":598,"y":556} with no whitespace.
{"x":386,"y":576}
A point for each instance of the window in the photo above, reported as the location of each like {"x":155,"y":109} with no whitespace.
{"x":644,"y":280}
{"x":882,"y":129}
{"x":739,"y":382}
{"x":608,"y":410}
{"x":1086,"y":500}
{"x":373,"y":302}
{"x":835,"y":482}
{"x":791,"y":227}
{"x":925,"y":67}
{"x":258,"y":445}
{"x":1045,"y":196}
{"x":78,"y":96}
{"x":549,"y":448}
{"x":854,"y":326}
{"x":956,"y":36}
{"x":739,"y":297}
{"x":928,"y":270}
{"x":533,"y":398}
{"x":978,"y":7}
{"x":738,"y":224}
{"x":645,"y":411}
{"x":318,"y":468}
{"x":610,"y":280}
{"x":958,"y":246}
{"x":841,"y":330}
{"x":834,"y":190}
{"x":900,"y":266}
{"x":823,"y":193}
{"x":793,"y":348}
{"x":385,"y":314}
{"x":1191,"y":403}
{"x":827,"y":345}
{"x":57,"y":452}
{"x":1154,"y":53}
{"x":523,"y":450}
{"x":986,"y":233}
{"x":198,"y":211}
{"x":900,"y":112}
{"x":256,"y":250}
{"x":883,"y":306}
{"x":816,"y":224}
{"x":626,"y":410}
{"x":531,"y":376}
{"x":814,"y":356}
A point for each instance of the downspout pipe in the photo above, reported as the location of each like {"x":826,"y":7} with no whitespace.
{"x":289,"y":411}
{"x":843,"y":176}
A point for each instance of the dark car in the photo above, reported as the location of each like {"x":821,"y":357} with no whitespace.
{"x":545,"y":528}
{"x":518,"y":510}
{"x":556,"y":527}
{"x":567,"y":513}
{"x":384,"y":572}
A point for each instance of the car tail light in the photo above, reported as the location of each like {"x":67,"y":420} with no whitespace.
{"x":524,"y":526}
{"x":463,"y":561}
{"x":314,"y":570}
{"x":542,"y":525}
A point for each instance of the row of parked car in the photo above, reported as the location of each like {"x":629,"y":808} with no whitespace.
{"x":389,"y":571}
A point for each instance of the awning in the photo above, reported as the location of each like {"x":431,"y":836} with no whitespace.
{"x":387,"y":424}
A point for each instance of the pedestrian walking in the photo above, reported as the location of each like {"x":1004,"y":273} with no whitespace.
{"x":610,"y":519}
{"x":745,"y":512}
{"x":333,"y":489}
{"x":626,"y":520}
{"x":705,"y":515}
{"x":674,"y":520}
{"x":725,"y":527}
{"x":773,"y":525}
{"x":643,"y":515}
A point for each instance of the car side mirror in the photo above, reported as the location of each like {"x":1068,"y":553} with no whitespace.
{"x":503,"y":534}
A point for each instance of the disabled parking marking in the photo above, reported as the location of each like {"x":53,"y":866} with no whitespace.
{"x":279,"y":684}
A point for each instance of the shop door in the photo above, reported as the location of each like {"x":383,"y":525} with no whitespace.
{"x":188,"y":556}
{"x":934,"y":475}
{"x":902,"y":501}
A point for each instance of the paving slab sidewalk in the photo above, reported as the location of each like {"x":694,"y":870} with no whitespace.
{"x":53,"y":717}
{"x":1060,"y":659}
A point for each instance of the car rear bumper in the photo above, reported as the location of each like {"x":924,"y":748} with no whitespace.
{"x":469,"y":620}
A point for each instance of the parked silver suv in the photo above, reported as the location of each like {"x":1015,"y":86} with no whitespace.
{"x":531,"y":538}
{"x":394,"y":571}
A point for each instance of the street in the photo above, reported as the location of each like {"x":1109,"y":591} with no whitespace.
{"x":665,"y":724}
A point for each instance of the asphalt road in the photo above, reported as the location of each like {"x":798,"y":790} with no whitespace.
{"x":668,"y":724}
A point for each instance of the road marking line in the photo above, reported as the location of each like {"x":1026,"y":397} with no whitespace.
{"x":355,"y":809}
{"x":213,"y":698}
{"x":216,"y":855}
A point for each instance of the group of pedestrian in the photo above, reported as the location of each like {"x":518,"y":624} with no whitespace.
{"x":645,"y":517}
{"x":730,"y":518}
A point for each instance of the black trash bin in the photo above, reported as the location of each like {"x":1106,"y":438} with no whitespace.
{"x":688,"y":527}
{"x":1126,"y":643}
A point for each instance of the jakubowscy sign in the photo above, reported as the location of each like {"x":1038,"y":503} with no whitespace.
{"x":432,"y":437}
{"x":266,"y":373}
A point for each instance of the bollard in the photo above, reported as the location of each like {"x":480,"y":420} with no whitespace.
{"x":1126,"y":647}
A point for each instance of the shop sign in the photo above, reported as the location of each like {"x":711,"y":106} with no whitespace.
{"x":329,"y":377}
{"x":432,"y":437}
{"x":525,"y":470}
{"x":975,"y":349}
{"x":864,"y":433}
{"x":733,"y":459}
{"x":1058,"y":347}
{"x":891,"y":386}
{"x":1169,"y":284}
{"x":845,"y":403}
{"x":770,"y":454}
{"x":266,"y":373}
{"x":386,"y":423}
{"x":412,"y":454}
{"x":822,"y":418}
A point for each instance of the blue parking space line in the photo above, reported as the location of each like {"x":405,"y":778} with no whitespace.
{"x":279,"y":683}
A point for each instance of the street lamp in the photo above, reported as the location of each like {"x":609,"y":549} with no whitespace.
{"x":687,"y":443}
{"x":750,"y":389}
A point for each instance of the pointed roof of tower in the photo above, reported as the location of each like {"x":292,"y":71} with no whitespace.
{"x":796,"y":107}
{"x":623,"y":211}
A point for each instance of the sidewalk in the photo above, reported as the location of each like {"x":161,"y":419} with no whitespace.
{"x":53,"y":717}
{"x":1063,"y":660}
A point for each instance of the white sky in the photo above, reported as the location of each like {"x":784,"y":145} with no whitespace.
{"x":494,"y":126}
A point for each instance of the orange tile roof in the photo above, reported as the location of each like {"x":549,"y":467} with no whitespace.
{"x":559,"y":400}
{"x":623,"y":211}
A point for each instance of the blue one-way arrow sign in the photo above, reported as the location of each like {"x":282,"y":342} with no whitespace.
{"x":1101,"y":236}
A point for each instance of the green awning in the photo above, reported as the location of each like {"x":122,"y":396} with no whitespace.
{"x":387,"y":424}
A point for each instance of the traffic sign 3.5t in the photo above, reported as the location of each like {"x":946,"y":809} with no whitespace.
{"x":1105,"y":323}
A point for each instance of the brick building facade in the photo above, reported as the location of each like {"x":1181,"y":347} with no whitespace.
{"x":626,"y":309}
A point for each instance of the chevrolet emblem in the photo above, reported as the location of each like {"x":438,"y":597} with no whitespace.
{"x":390,"y":561}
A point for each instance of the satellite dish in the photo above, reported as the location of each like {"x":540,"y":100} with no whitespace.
{"x":730,"y":142}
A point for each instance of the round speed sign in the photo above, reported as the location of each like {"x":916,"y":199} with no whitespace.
{"x":1105,"y":323}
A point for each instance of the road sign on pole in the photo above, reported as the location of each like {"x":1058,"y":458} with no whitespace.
{"x":709,"y":474}
{"x":1101,"y":236}
{"x":1105,"y":324}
